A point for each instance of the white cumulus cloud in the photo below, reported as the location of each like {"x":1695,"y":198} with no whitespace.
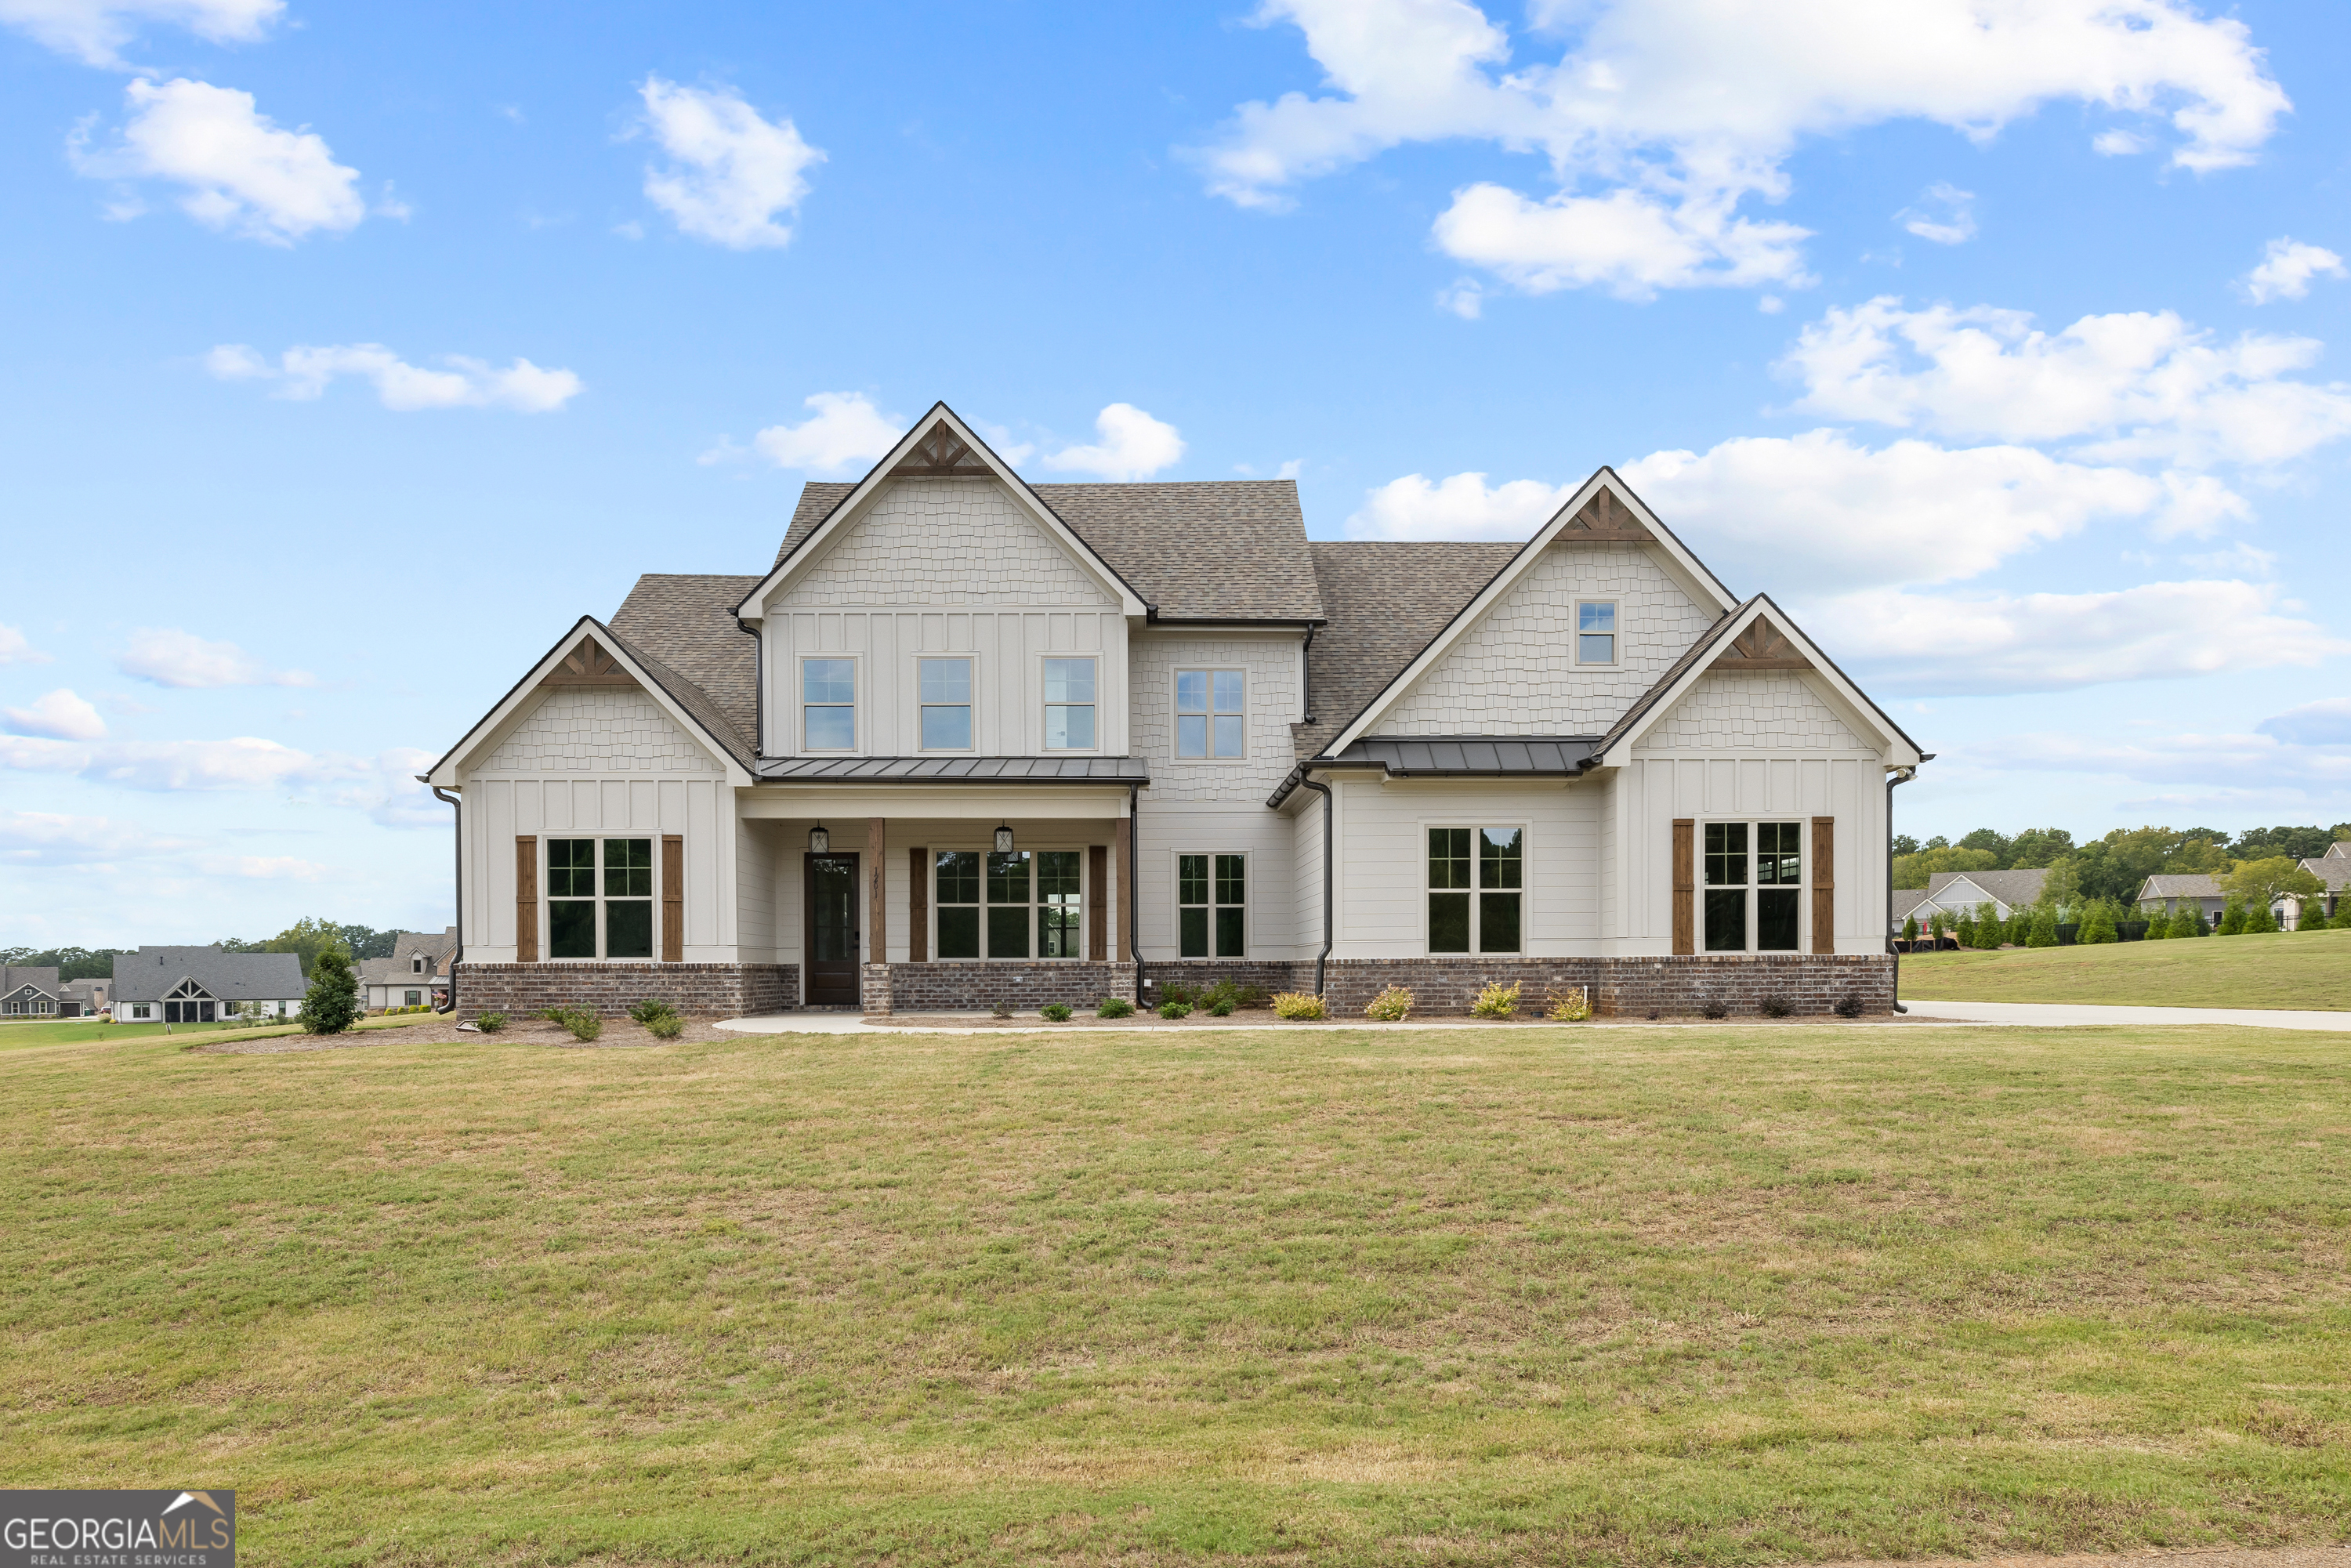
{"x":1461,"y":506}
{"x":240,"y":171}
{"x":1660,"y":117}
{"x":1945,"y":214}
{"x":2286,"y":269}
{"x":1133,"y":445}
{"x":304,"y":372}
{"x":731,"y":172}
{"x":169,"y":657}
{"x":49,"y":839}
{"x":16,"y":650}
{"x":383,"y":787}
{"x":842,"y":431}
{"x":2129,"y":386}
{"x":94,"y":31}
{"x":60,"y":714}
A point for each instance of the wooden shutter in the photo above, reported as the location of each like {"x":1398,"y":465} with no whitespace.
{"x":1684,"y":885}
{"x":1823,"y":884}
{"x":1097,"y":898}
{"x":672,"y":869}
{"x":526,"y":901}
{"x":918,"y":906}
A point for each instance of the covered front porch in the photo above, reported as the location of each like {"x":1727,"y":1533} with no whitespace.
{"x":924,"y":897}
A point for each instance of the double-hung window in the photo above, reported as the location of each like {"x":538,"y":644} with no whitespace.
{"x":1754,"y":886}
{"x":829,"y":705}
{"x":1476,"y":886}
{"x":1595,"y":631}
{"x":603,"y":911}
{"x":1212,"y":906}
{"x":1211,"y":713}
{"x":945,"y":688}
{"x":1024,"y":903}
{"x":1068,"y":704}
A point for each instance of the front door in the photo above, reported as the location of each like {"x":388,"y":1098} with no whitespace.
{"x":831,"y":931}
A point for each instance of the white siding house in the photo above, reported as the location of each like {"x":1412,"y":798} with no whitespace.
{"x":971,"y":741}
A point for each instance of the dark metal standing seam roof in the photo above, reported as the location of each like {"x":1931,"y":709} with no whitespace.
{"x":1113,"y":770}
{"x":1456,"y":756}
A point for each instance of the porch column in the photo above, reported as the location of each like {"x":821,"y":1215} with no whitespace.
{"x":877,"y":883}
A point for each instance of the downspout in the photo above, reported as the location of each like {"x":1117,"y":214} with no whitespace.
{"x":1134,"y":905}
{"x":1900,"y":775}
{"x":458,"y":861}
{"x":1324,"y":957}
{"x":759,"y":689}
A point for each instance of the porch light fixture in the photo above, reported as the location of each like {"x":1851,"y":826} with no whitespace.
{"x":1004,"y":839}
{"x":819,"y":840}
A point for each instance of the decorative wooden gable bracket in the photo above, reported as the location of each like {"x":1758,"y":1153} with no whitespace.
{"x":587,"y":665}
{"x":1760,"y":647}
{"x":941,"y":454}
{"x":1604,"y":519}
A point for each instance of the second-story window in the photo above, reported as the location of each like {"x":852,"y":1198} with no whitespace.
{"x":946,"y":694}
{"x":829,"y":705}
{"x":1595,"y":632}
{"x":1211,"y":715}
{"x":1068,"y":704}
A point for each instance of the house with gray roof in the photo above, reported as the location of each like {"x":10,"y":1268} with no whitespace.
{"x":415,"y":973}
{"x":2332,"y":870}
{"x":202,"y":985}
{"x":1959,"y":892}
{"x":966,"y":740}
{"x":28,"y":990}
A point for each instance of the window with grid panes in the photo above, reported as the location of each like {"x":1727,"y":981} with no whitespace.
{"x":945,"y":687}
{"x":600,"y":910}
{"x":1476,"y":889}
{"x":829,"y":704}
{"x":1027,"y":903}
{"x":1754,"y":886}
{"x":1068,"y":704}
{"x":1212,"y":906}
{"x":1211,"y":713}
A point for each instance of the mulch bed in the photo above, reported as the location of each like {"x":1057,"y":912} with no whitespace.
{"x":618,"y":1033}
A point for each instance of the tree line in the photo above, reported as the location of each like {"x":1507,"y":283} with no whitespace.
{"x":305,"y":938}
{"x":2116,"y":867}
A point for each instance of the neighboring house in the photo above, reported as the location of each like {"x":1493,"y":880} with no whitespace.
{"x":28,"y":991}
{"x":415,"y":975}
{"x":1910,"y":903}
{"x":200,"y":985}
{"x":971,"y":741}
{"x":1957,"y":892}
{"x":2169,"y":891}
{"x":83,"y":999}
{"x":2334,"y":870}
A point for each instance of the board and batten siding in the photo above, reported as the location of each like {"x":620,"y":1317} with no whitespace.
{"x":591,"y":761}
{"x":1515,"y":672}
{"x":944,"y":567}
{"x":1271,"y":927}
{"x":1382,"y":904}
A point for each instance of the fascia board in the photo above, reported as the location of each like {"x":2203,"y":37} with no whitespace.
{"x":445,"y":773}
{"x":854,"y":504}
{"x":1690,"y":572}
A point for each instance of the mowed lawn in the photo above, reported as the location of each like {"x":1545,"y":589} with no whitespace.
{"x":62,"y":1032}
{"x":2286,"y":969}
{"x":1602,"y":1295}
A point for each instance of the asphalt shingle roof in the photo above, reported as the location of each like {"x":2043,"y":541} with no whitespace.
{"x":2011,"y":887}
{"x":1384,"y":603}
{"x":2180,"y":884}
{"x":144,"y":976}
{"x":686,"y":625}
{"x":15,"y":976}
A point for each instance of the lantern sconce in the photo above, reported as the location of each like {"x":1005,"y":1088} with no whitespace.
{"x":819,"y":840}
{"x":1004,"y":839}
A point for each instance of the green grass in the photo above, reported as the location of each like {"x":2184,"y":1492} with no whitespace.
{"x":2288,"y":969}
{"x":1604,"y":1296}
{"x":58,"y":1031}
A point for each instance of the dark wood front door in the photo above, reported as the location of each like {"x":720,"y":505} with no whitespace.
{"x":831,"y":956}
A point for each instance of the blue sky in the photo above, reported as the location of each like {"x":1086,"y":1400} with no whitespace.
{"x":353,"y":351}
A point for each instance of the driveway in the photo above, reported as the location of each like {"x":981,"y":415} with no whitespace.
{"x":2042,"y":1014}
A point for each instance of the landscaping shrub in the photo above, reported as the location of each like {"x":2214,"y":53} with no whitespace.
{"x":1222,"y":1008}
{"x":665,"y":1026}
{"x":1223,"y":992}
{"x":1848,"y":1006}
{"x":1000,"y":1010}
{"x":1776,"y":1005}
{"x":2259,"y":918}
{"x":1910,"y":928}
{"x":490,"y":1024}
{"x":332,"y":1003}
{"x":1248,"y":996}
{"x":1571,"y":1006}
{"x":1178,"y":992}
{"x":1496,"y":1001}
{"x":2099,"y":925}
{"x":1391,"y":1006}
{"x":1716,"y":1008}
{"x":2043,"y":933}
{"x":2159,"y":925}
{"x":2314,"y":917}
{"x":1172,"y":1009}
{"x":2232,"y":919}
{"x":1966,"y":932}
{"x":1114,"y":1007}
{"x":583,"y":1024}
{"x":646,"y":1011}
{"x":1054,"y":1012}
{"x":1299,"y":1005}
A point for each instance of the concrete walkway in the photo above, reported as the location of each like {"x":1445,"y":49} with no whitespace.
{"x":2045,"y":1014}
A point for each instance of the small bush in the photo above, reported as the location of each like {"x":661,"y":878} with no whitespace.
{"x":1391,"y":1006}
{"x":583,"y":1024}
{"x":1114,"y":1007}
{"x":1848,"y":1006}
{"x":1220,"y":1008}
{"x":1299,"y":1005}
{"x":1250,"y":996}
{"x":1496,"y":1001}
{"x":646,"y":1011}
{"x":1000,"y":1010}
{"x":1777,"y":1007}
{"x":1174,"y":1010}
{"x":1223,"y":992}
{"x":1716,"y":1008}
{"x":1054,"y":1012}
{"x":665,"y":1026}
{"x":1568,"y":1007}
{"x":1178,"y":993}
{"x":490,"y":1024}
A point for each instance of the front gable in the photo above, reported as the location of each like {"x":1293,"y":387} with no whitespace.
{"x":1765,"y":711}
{"x":941,"y":541}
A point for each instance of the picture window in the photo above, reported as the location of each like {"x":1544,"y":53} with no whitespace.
{"x":1021,"y":905}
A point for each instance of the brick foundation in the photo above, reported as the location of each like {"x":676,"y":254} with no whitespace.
{"x":1197,"y":972}
{"x":701,"y":990}
{"x":1620,"y":988}
{"x":958,"y":985}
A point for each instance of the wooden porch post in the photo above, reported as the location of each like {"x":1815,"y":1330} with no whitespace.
{"x":1122,"y":947}
{"x":877,"y":880}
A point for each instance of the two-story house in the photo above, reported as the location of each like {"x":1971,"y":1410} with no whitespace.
{"x":969,"y":740}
